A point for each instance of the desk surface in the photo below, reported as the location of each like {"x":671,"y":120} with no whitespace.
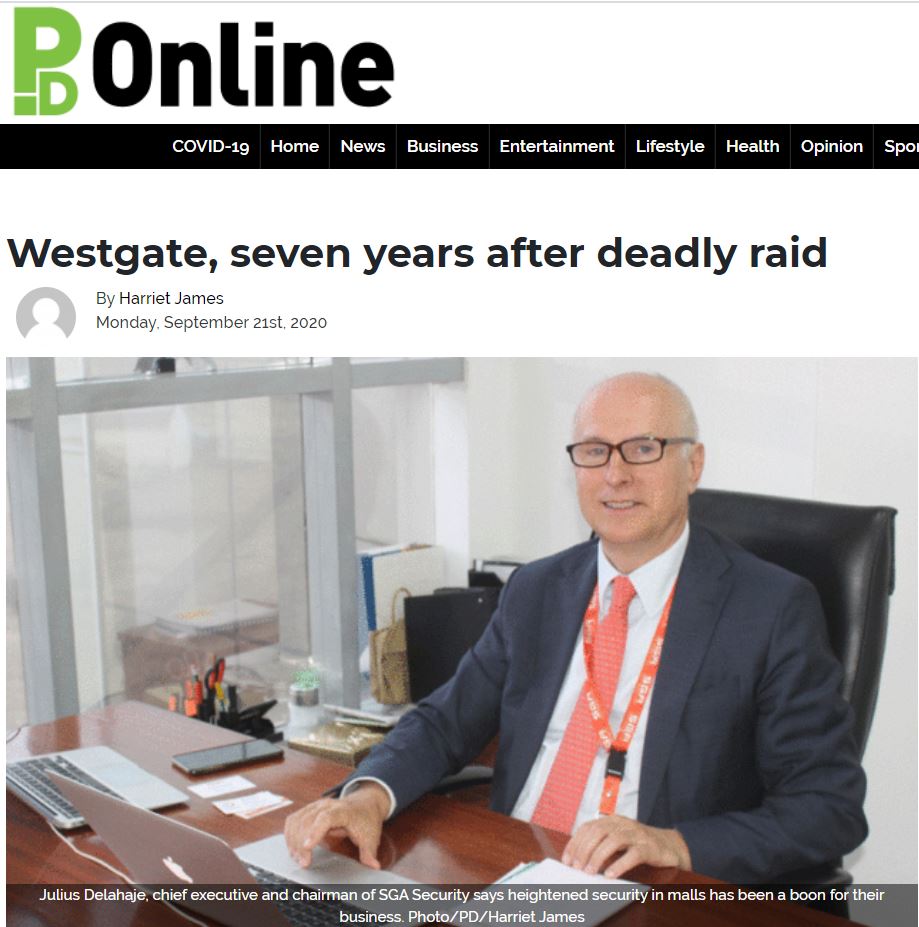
{"x":437,"y":840}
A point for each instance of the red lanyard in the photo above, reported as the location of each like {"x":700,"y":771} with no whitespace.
{"x":618,"y":746}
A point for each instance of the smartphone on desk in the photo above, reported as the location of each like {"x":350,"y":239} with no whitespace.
{"x":199,"y":762}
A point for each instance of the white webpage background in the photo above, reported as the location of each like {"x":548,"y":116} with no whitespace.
{"x":569,"y":63}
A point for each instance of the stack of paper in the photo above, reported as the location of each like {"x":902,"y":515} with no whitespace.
{"x":553,"y":872}
{"x":251,"y":806}
{"x":222,"y":616}
{"x":224,"y":786}
{"x":611,"y":895}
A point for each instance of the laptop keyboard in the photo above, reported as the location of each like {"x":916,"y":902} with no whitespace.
{"x":303,"y":913}
{"x":29,"y":776}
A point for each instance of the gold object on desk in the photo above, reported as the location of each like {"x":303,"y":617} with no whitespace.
{"x":343,"y":743}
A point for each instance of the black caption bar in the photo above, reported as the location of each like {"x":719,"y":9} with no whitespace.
{"x":480,"y":147}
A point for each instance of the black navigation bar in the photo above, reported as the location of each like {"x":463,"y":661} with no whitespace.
{"x":478,"y":147}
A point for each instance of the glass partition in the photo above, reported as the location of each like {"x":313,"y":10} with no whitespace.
{"x":172,"y":545}
{"x":194,"y":524}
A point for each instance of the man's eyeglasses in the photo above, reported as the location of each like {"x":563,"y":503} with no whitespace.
{"x":644,"y":450}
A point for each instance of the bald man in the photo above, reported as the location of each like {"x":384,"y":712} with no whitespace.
{"x":659,"y":694}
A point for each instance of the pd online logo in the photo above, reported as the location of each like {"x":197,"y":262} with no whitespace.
{"x":45,"y":39}
{"x":35,"y":71}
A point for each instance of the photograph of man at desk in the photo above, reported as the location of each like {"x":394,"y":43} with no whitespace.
{"x":682,"y":700}
{"x":659,"y":694}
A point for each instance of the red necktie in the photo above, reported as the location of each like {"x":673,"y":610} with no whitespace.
{"x":558,"y":805}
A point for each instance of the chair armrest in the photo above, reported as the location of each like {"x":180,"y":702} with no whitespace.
{"x":466,"y":778}
{"x":828,"y":874}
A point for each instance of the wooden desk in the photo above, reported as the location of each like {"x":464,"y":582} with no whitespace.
{"x":437,"y":840}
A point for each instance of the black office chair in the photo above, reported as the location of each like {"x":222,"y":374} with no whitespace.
{"x":847,"y":552}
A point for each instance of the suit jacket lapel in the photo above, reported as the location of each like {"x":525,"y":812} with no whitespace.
{"x":702,"y":587}
{"x":559,"y":621}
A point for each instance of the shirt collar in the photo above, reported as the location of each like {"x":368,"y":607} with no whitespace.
{"x":653,"y":580}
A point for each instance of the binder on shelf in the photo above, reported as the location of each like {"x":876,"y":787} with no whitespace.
{"x":389,"y":574}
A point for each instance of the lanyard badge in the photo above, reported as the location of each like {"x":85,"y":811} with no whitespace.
{"x":617,"y":746}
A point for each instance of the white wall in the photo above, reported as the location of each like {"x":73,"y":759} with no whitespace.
{"x":411,"y":470}
{"x":393,"y":481}
{"x":839,"y":430}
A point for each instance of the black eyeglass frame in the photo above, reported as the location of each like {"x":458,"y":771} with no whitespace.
{"x":664,"y":442}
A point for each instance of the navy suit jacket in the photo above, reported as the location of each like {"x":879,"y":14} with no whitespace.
{"x":748,"y":751}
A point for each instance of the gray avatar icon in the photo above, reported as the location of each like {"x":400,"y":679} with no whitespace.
{"x":25,"y":313}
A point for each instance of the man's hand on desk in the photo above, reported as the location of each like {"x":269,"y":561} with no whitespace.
{"x":358,"y":816}
{"x":594,"y":844}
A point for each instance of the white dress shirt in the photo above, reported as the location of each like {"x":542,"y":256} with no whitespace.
{"x":653,"y":582}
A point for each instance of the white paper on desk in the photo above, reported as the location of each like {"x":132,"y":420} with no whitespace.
{"x":552,"y":872}
{"x":246,"y":804}
{"x":248,"y":815}
{"x":223,"y":786}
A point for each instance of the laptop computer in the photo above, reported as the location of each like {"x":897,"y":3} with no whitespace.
{"x":159,"y":851}
{"x":104,"y":769}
